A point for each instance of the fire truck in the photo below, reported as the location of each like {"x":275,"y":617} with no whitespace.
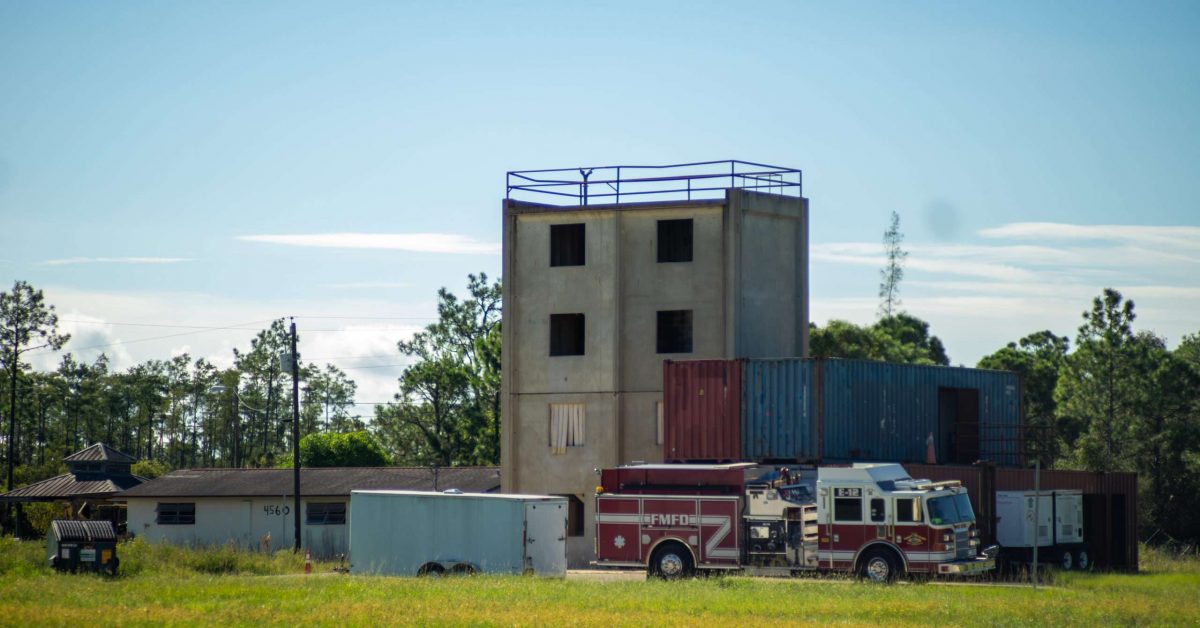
{"x":869,"y":519}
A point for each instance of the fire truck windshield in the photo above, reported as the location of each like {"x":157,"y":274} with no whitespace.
{"x":947,"y":509}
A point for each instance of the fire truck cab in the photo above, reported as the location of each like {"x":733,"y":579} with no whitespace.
{"x":869,"y":519}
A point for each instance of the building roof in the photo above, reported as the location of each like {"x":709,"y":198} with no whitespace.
{"x":316,"y":481}
{"x":99,"y":452}
{"x":70,"y":486}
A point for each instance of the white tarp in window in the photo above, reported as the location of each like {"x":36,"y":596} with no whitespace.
{"x":566,"y":426}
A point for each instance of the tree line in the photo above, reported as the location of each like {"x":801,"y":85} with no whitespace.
{"x":178,"y":412}
{"x":185,"y":411}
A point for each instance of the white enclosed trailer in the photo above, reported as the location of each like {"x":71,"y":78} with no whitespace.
{"x":1058,"y":530}
{"x":423,"y":533}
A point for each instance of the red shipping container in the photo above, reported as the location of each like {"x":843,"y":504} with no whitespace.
{"x":702,"y":410}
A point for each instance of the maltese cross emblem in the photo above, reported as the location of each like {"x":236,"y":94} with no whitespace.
{"x":619,"y":541}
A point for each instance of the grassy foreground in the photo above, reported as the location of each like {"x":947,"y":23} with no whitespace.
{"x":167,"y":585}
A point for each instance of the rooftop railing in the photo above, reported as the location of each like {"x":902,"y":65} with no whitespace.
{"x":616,"y":184}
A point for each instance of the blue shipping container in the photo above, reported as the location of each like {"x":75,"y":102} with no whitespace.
{"x":882,"y":411}
{"x":778,"y":410}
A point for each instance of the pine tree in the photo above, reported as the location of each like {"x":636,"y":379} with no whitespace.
{"x":893,"y":272}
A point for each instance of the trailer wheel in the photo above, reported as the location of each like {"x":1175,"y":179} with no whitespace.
{"x":111,"y":567}
{"x":462,"y":569}
{"x":431,"y":569}
{"x":878,"y":566}
{"x":1065,"y":562}
{"x":671,"y":562}
{"x":1082,"y":560}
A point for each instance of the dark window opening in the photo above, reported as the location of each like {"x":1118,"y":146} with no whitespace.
{"x":567,"y":245}
{"x":574,"y":515}
{"x":877,"y":510}
{"x":675,"y":331}
{"x":566,"y":334}
{"x":329,"y":513}
{"x":847,"y":509}
{"x":175,"y":514}
{"x":908,"y":510}
{"x":675,"y":240}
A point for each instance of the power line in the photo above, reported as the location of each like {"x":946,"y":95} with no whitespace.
{"x":64,"y":320}
{"x":186,"y":333}
{"x":376,"y":318}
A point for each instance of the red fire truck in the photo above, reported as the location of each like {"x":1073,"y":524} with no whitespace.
{"x":869,"y":519}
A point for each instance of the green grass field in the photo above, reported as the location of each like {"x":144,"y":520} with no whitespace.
{"x":166,"y":585}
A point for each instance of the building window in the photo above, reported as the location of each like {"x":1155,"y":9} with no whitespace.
{"x":325,"y":514}
{"x":567,"y":245}
{"x":566,"y":334}
{"x":175,"y":514}
{"x":675,"y":240}
{"x":908,"y":510}
{"x":675,"y":331}
{"x":574,"y":515}
{"x":659,"y":437}
{"x":566,"y":426}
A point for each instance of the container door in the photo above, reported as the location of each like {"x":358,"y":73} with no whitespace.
{"x":546,"y":537}
{"x":958,"y":423}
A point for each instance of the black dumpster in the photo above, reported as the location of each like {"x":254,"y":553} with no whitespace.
{"x":83,"y":546}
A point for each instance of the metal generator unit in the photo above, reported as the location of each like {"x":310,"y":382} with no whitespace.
{"x":83,"y":546}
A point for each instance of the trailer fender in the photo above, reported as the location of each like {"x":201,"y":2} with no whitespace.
{"x":881,"y":543}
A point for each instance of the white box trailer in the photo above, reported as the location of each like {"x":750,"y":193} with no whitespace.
{"x":423,"y":533}
{"x":1058,"y":531}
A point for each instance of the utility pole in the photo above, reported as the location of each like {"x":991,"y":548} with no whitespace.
{"x":237,"y":430}
{"x":1037,"y":522}
{"x":12,"y":413}
{"x":296,"y":435}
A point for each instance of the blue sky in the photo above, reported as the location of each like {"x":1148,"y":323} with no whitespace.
{"x":1036,"y":153}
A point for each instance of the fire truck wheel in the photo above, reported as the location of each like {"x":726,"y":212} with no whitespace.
{"x":878,"y":566}
{"x":1065,"y":562}
{"x":671,"y":562}
{"x":1082,"y":560}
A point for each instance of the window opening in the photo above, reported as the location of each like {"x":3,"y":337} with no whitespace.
{"x":566,"y":334}
{"x":674,"y":331}
{"x":325,"y":513}
{"x":175,"y":514}
{"x":566,"y":426}
{"x":675,"y":240}
{"x":567,"y":244}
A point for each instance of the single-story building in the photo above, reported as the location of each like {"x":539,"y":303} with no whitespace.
{"x":252,"y":508}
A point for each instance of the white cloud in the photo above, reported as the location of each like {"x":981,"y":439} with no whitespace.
{"x":415,"y":242}
{"x":366,"y":285}
{"x":115,"y":260}
{"x":1180,"y":236}
{"x":90,"y":336}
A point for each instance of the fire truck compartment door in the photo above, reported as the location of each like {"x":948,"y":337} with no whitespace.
{"x":546,"y":536}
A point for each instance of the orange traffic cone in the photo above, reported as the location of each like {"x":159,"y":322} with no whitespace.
{"x":307,"y":561}
{"x":930,"y":456}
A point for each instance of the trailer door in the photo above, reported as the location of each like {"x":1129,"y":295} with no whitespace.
{"x":546,"y":537}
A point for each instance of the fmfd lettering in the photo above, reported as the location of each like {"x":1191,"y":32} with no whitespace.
{"x":656,"y":519}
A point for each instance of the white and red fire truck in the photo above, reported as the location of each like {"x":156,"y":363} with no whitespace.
{"x":868,"y":519}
